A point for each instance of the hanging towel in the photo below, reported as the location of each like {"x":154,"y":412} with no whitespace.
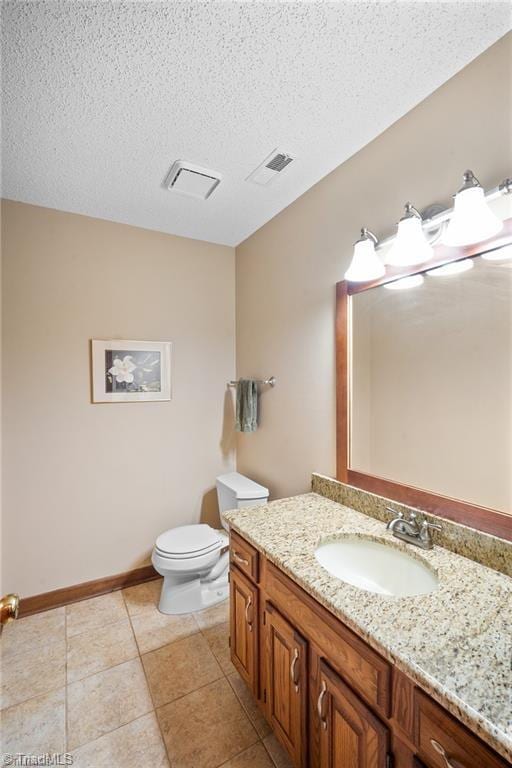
{"x":246,"y":405}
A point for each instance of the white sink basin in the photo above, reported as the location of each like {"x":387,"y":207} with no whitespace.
{"x":376,"y":567}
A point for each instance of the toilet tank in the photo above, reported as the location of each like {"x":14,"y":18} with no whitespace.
{"x":235,"y":491}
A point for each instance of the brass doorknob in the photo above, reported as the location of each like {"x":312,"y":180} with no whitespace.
{"x":9,"y":605}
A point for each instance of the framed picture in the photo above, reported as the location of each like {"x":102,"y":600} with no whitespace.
{"x":130,"y":371}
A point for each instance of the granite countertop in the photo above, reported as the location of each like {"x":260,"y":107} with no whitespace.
{"x":455,"y":642}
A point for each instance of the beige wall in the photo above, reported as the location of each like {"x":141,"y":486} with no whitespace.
{"x":87,"y":488}
{"x":287,"y":271}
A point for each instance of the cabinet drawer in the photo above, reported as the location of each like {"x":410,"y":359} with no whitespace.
{"x":435,"y":732}
{"x":244,"y":556}
{"x":360,"y":666}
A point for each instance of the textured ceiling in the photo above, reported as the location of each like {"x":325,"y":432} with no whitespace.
{"x":99,"y":98}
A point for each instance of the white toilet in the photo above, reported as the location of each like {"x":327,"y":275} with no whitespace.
{"x":194,"y":559}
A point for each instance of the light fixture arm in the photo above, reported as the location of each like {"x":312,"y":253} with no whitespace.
{"x":367,"y":234}
{"x":411,"y":212}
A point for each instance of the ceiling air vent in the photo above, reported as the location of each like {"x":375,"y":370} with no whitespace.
{"x":279,"y":162}
{"x":271,"y":167}
{"x":191,"y":180}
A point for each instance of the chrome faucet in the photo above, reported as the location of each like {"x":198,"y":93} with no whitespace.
{"x":411,"y":530}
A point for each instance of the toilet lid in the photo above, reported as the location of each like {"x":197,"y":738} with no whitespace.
{"x":188,"y":539}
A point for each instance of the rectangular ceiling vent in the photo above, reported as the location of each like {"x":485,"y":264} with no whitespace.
{"x":270,"y":168}
{"x":279,"y":162}
{"x":191,"y":180}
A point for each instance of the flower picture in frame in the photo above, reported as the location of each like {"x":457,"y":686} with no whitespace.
{"x":130,"y":371}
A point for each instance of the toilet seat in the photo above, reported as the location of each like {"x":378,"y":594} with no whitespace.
{"x":188,"y":542}
{"x":191,"y":556}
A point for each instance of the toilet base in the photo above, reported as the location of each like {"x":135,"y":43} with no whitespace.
{"x":187,"y":596}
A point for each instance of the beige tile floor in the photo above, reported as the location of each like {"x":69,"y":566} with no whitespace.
{"x":114,"y":682}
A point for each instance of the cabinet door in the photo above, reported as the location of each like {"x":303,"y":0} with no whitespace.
{"x":351,"y":736}
{"x":286,"y":684}
{"x":244,"y":628}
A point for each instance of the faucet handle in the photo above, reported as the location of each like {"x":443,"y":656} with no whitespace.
{"x":425,"y":536}
{"x":396,"y":516}
{"x":427,"y":524}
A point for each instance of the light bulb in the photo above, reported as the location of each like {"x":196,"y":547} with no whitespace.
{"x":453,"y":268}
{"x":472,"y":220}
{"x":410,"y":245}
{"x":365,"y":264}
{"x":405,"y":282}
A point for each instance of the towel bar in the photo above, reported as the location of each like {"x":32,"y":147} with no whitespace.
{"x":271,"y":382}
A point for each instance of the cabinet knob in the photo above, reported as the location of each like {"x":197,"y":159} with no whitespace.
{"x":320,"y":705}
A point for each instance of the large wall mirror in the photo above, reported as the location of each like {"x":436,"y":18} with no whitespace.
{"x":425,"y":388}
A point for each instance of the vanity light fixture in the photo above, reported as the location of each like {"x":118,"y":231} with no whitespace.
{"x":410,"y":246}
{"x":469,"y":221}
{"x":452,"y":268}
{"x":365,"y":264}
{"x":412,"y":281}
{"x":472,"y":220}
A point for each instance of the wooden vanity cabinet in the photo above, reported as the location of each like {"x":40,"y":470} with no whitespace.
{"x":244,"y":628}
{"x":331,"y":700}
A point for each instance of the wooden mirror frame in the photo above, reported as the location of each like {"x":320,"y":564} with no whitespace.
{"x":487,"y":520}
